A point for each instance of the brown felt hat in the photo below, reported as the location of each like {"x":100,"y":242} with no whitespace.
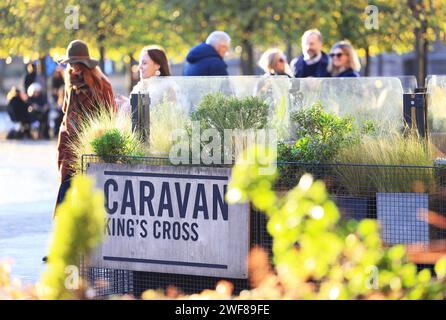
{"x":77,"y":52}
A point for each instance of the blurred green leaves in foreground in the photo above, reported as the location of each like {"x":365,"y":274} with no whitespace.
{"x":317,"y":257}
{"x":314,"y":255}
{"x":79,"y":226}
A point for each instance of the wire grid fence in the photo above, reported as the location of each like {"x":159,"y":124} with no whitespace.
{"x":401,"y":198}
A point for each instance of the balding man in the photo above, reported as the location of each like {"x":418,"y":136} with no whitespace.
{"x":206,"y":59}
{"x":313,"y":62}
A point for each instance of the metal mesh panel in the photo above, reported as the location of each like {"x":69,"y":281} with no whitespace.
{"x":401,"y":198}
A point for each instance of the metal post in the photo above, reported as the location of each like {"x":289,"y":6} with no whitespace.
{"x":141,"y":115}
{"x":415,"y":111}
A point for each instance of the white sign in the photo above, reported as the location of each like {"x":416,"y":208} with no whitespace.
{"x":171,"y":219}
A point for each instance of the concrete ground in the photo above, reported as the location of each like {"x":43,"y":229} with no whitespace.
{"x":28,"y":186}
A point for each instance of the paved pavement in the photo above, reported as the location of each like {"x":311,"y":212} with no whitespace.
{"x":28,"y":186}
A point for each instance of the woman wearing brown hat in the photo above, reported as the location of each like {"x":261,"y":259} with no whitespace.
{"x":86,"y":88}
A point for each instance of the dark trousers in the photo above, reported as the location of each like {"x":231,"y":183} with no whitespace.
{"x":64,"y":186}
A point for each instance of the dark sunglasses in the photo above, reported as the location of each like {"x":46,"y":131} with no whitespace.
{"x":337,"y":55}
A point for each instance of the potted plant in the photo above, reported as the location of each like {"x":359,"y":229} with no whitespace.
{"x":108,"y":135}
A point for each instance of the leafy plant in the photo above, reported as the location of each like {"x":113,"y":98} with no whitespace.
{"x":220,"y":112}
{"x":317,"y":258}
{"x":319,"y":136}
{"x":117,"y":128}
{"x":80,"y":221}
{"x":114,"y":146}
{"x":314,"y":256}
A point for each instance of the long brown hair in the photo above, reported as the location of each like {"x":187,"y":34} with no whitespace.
{"x":96,"y":81}
{"x":157,"y":54}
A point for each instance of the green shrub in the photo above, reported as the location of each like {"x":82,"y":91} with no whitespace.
{"x":112,"y":145}
{"x":220,"y":112}
{"x":93,"y":127}
{"x":80,"y":222}
{"x":319,"y":136}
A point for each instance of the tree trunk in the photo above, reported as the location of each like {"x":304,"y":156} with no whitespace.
{"x":422,"y":60}
{"x":367,"y":61}
{"x":421,"y":43}
{"x":289,"y":51}
{"x":131,"y":82}
{"x":247,"y":58}
{"x":43,"y":74}
{"x":102,"y":57}
{"x":2,"y":76}
{"x":380,"y":64}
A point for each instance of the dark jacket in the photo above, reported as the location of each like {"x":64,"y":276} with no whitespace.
{"x":29,"y":79}
{"x":203,"y":60}
{"x":18,"y":110}
{"x":319,"y":69}
{"x":349,"y":73}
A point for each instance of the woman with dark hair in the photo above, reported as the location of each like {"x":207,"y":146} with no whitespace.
{"x":87,"y":90}
{"x":152,"y":63}
{"x":31,"y":75}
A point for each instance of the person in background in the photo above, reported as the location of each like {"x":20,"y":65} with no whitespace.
{"x":344,"y":61}
{"x":313,"y":62}
{"x":57,"y":88}
{"x":31,"y":75}
{"x":87,"y":90}
{"x":274,"y":63}
{"x":206,"y":59}
{"x":18,"y":112}
{"x":39,"y":109}
{"x":57,"y":82}
{"x":152,"y":63}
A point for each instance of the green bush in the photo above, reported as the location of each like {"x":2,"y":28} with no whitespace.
{"x":320,"y":135}
{"x":80,"y":222}
{"x":119,"y":137}
{"x":220,"y":112}
{"x":113,"y":144}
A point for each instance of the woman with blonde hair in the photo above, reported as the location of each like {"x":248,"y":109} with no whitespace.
{"x":274,"y":62}
{"x":344,"y":61}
